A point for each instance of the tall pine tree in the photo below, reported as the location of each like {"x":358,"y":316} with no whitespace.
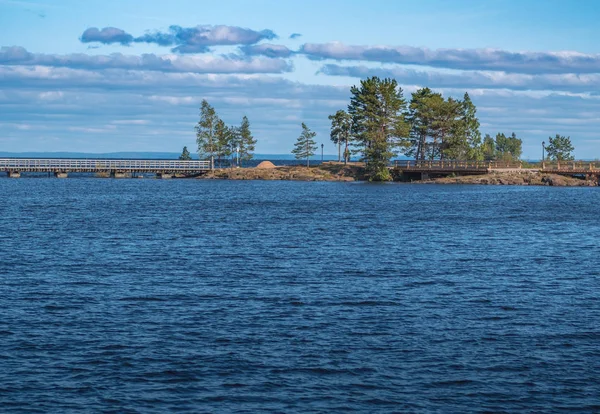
{"x":341,"y":132}
{"x":246,"y":141}
{"x":223,"y":138}
{"x":420,"y":118}
{"x":305,"y":146}
{"x":205,"y":133}
{"x":470,"y":126}
{"x":377,"y":108}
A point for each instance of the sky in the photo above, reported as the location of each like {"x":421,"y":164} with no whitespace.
{"x":107,"y":76}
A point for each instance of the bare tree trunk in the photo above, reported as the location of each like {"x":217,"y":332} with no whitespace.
{"x":346,"y":153}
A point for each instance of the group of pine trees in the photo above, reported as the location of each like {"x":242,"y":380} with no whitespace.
{"x":380,"y":124}
{"x":501,"y":148}
{"x":216,"y":140}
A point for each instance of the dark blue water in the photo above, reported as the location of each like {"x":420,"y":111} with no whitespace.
{"x":216,"y":296}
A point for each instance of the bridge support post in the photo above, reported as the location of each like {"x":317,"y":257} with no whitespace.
{"x":14,"y":174}
{"x":424,"y":176}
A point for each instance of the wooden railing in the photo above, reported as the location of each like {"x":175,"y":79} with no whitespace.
{"x":454,"y":164}
{"x":84,"y":165}
{"x":570,"y":165}
{"x":450,"y":165}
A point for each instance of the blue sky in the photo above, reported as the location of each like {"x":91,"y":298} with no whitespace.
{"x":103,"y":76}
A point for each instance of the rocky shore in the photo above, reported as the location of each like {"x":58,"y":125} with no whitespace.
{"x":523,"y":177}
{"x":267,"y":171}
{"x":355,"y":172}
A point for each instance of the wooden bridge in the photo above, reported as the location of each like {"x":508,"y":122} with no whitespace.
{"x":62,"y":167}
{"x":425,"y":168}
{"x":571,"y":167}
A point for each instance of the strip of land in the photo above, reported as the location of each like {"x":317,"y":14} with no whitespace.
{"x":356,"y":172}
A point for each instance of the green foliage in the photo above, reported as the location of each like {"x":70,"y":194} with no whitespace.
{"x":305,"y":146}
{"x":377,"y":108}
{"x":443,"y":128}
{"x":205,"y":132}
{"x":560,"y":148}
{"x":508,"y":148}
{"x":488,"y":148}
{"x":185,"y":155}
{"x":215,"y":139}
{"x":470,"y":128}
{"x":420,"y":118}
{"x":223,"y":140}
{"x":245,"y":140}
{"x":341,"y":132}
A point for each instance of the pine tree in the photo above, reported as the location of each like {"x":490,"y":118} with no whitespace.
{"x":488,"y":148}
{"x":377,"y":108}
{"x":246,"y":142}
{"x":470,"y":125}
{"x":420,"y":118}
{"x":508,"y":148}
{"x":305,"y":146}
{"x":185,"y":155}
{"x":341,"y":132}
{"x":223,"y":138}
{"x":560,"y":148}
{"x":448,"y":135}
{"x":205,"y":133}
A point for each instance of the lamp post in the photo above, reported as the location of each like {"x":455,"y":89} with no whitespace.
{"x":322,"y":145}
{"x":543,"y":151}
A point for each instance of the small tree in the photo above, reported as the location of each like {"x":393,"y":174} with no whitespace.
{"x":305,"y":146}
{"x":560,"y":148}
{"x":185,"y":155}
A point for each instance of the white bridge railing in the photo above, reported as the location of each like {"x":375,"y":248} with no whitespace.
{"x":74,"y":165}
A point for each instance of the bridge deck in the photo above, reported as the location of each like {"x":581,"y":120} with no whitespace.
{"x":95,"y":165}
{"x":483,"y":167}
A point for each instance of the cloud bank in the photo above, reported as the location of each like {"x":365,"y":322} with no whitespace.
{"x":267,"y":49}
{"x":107,"y":36}
{"x":197,"y":39}
{"x":147,"y":62}
{"x":473,"y":79}
{"x":461,"y":59}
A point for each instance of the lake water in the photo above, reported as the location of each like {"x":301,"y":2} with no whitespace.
{"x":221,"y":296}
